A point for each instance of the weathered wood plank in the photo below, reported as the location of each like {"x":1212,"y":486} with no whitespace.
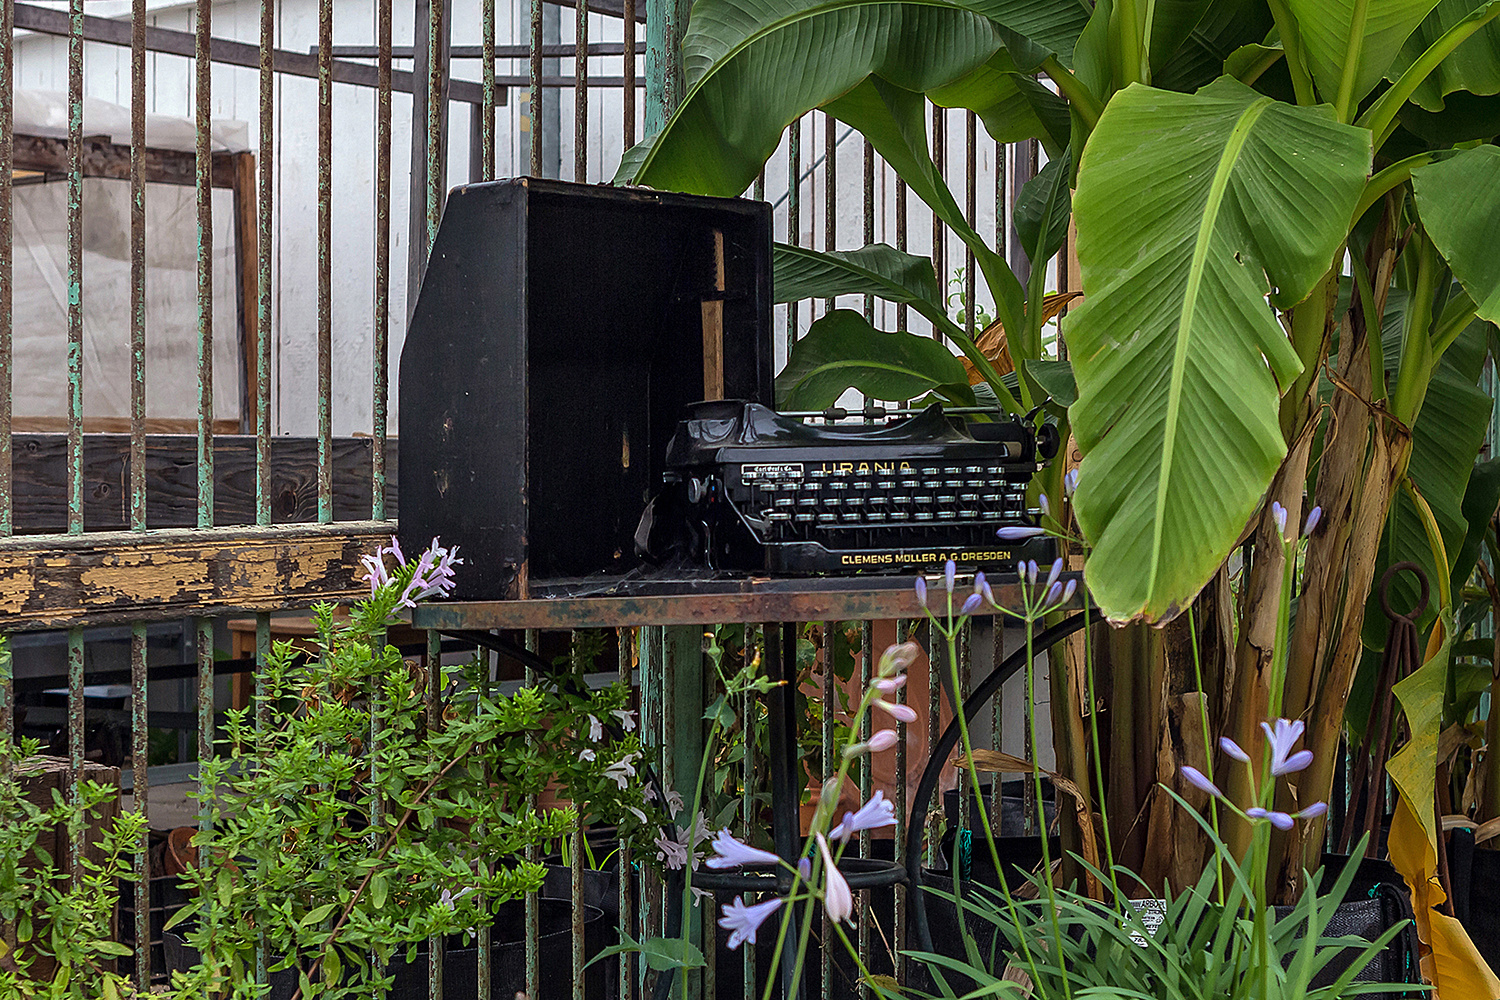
{"x":56,"y":581}
{"x":102,"y":158}
{"x":40,"y":483}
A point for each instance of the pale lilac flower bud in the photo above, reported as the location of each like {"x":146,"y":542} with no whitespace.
{"x":898,"y":657}
{"x":883,"y":740}
{"x":1313,"y":517}
{"x":1278,"y":514}
{"x":950,"y":574}
{"x":1031,"y":572}
{"x":838,"y":901}
{"x":1286,"y":733}
{"x":1232,"y":748}
{"x":804,"y":868}
{"x":921,"y":586}
{"x":1070,"y":590}
{"x":1200,"y":781}
{"x":1070,"y":482}
{"x":1046,"y":508}
{"x":889,"y":685}
{"x":899,"y":712}
{"x":1280,"y":820}
{"x":1054,"y":572}
{"x":1054,"y":592}
{"x":1018,"y":533}
{"x":971,"y":604}
{"x":1313,"y":811}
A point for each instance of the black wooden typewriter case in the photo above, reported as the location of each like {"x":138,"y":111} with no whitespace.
{"x":557,"y":337}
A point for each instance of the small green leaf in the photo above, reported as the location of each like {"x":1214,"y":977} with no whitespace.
{"x":111,"y":948}
{"x":1056,"y":377}
{"x":377,"y":891}
{"x":318,"y":915}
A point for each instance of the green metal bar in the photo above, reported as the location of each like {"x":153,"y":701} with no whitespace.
{"x":140,"y":791}
{"x":666,"y":21}
{"x":7,"y":277}
{"x":325,"y":260}
{"x":205,"y":643}
{"x":264,"y":220}
{"x":793,"y":214}
{"x":482,"y":937}
{"x":971,"y":192}
{"x":487,"y":112}
{"x":830,"y":200}
{"x":76,"y":722}
{"x":437,"y":73}
{"x":939,"y":233}
{"x":869,"y":227}
{"x":830,"y":760}
{"x":434,"y":664}
{"x":624,"y":639}
{"x":380,"y":361}
{"x":75,"y":267}
{"x":203,"y":185}
{"x":533,"y":900}
{"x":627,"y":66}
{"x":534,"y":95}
{"x":684,"y":696}
{"x":866,"y":778}
{"x":138,"y":265}
{"x":747,"y":766}
{"x":262,"y":723}
{"x":934,"y":712}
{"x":899,"y":930}
{"x":580,"y":91}
{"x":901,"y":245}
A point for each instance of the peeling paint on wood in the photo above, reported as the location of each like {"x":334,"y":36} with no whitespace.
{"x":52,"y":581}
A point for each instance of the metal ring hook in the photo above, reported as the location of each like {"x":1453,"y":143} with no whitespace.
{"x":1385,"y":592}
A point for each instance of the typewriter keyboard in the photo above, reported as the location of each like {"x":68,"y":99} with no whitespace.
{"x":874,"y":505}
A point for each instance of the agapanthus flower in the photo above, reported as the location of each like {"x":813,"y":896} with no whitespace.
{"x":743,"y":921}
{"x":1031,"y":572}
{"x":1054,"y":573}
{"x":982,"y":587}
{"x":1313,"y":517}
{"x":901,"y":713}
{"x":1278,"y":514}
{"x":1232,"y":748}
{"x":670,"y":852}
{"x":804,"y":869}
{"x":1043,"y":505}
{"x":872,"y":815}
{"x":1018,"y":533}
{"x":950,"y":574}
{"x":971,"y":604}
{"x":1280,"y":820}
{"x":1069,"y":590}
{"x":1200,"y":781}
{"x":838,"y":901}
{"x":921,"y":587}
{"x":1070,"y":481}
{"x":1283,"y":737}
{"x":1313,"y":811}
{"x":1054,"y":593}
{"x":731,"y":853}
{"x":883,"y":740}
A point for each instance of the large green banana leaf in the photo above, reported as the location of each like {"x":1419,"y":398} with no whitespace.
{"x":753,"y":66}
{"x":1013,"y":105}
{"x":1474,"y":66}
{"x":1459,"y":199}
{"x":1350,"y":44}
{"x":1199,"y":58}
{"x":878,"y":269}
{"x":1191,"y":210}
{"x":843,"y":351}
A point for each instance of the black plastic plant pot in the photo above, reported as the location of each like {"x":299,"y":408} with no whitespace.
{"x":461,"y":961}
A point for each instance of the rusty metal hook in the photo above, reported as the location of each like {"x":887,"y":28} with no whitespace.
{"x":1385,"y":592}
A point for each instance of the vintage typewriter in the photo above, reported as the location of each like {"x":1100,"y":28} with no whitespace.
{"x":748,"y":488}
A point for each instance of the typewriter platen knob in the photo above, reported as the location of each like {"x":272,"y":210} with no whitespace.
{"x":1047,"y":441}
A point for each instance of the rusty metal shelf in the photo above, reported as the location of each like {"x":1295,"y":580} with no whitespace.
{"x":704,"y":601}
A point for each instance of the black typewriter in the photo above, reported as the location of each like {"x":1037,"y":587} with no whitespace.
{"x":748,"y":488}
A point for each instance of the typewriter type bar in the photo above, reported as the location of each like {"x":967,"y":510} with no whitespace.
{"x":751,"y":489}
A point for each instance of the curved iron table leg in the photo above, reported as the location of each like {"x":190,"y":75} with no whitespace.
{"x":939,"y":758}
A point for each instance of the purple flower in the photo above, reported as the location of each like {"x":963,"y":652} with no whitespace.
{"x":670,"y":853}
{"x":1054,"y":572}
{"x":883,"y":740}
{"x":1232,"y":748}
{"x":1054,"y":592}
{"x":743,"y":921}
{"x":1070,"y":481}
{"x":1031,"y":572}
{"x":899,"y":712}
{"x":1283,"y":738}
{"x":1041,"y":502}
{"x":1313,"y":811}
{"x":1200,"y":781}
{"x":804,"y":869}
{"x":838,"y":901}
{"x":982,"y":587}
{"x":889,"y":685}
{"x":898,"y":657}
{"x":1313,"y":517}
{"x":950,"y":574}
{"x":971,"y":604}
{"x":1070,"y":590}
{"x":1018,"y":533}
{"x":1280,"y":820}
{"x":433,"y":575}
{"x":732,"y":853}
{"x":921,"y":586}
{"x":875,"y":813}
{"x":1278,"y":514}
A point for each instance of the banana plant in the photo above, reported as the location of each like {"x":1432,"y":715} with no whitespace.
{"x":1262,"y":190}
